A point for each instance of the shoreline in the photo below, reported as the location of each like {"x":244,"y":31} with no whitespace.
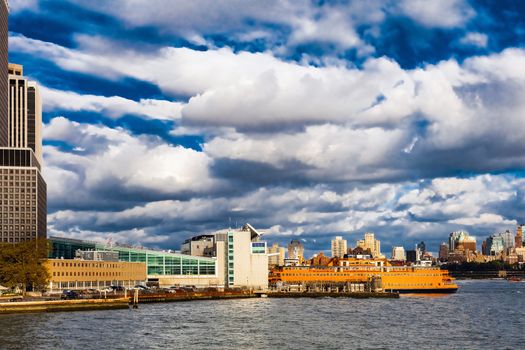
{"x":18,"y":307}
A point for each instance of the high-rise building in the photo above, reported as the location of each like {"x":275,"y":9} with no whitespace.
{"x":443,"y":251}
{"x":495,"y":245}
{"x":411,"y":256}
{"x":519,"y":237}
{"x":461,"y":240}
{"x":23,"y":207}
{"x":422,"y":247}
{"x":339,"y":247}
{"x":276,"y":255}
{"x":4,"y":12}
{"x":23,"y":202}
{"x":398,"y":253}
{"x":369,"y":242}
{"x":502,"y":242}
{"x":24,"y":118}
{"x":508,"y":239}
{"x":296,"y":250}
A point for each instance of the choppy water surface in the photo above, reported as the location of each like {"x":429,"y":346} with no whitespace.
{"x":483,"y":314}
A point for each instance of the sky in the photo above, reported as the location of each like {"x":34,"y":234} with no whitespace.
{"x":308,"y":119}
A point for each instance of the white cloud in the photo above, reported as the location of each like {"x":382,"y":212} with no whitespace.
{"x":485,"y":219}
{"x":117,"y":164}
{"x":456,"y":104}
{"x":475,"y":39}
{"x":20,"y":5}
{"x":442,"y":13}
{"x":113,"y":106}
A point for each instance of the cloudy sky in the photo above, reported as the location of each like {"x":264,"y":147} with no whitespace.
{"x":309,"y":119}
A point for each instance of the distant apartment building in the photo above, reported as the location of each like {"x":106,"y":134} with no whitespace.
{"x":443,"y":252}
{"x":498,"y":243}
{"x":398,"y":253}
{"x":296,"y":251}
{"x":276,"y":255}
{"x":462,"y":240}
{"x":369,"y":242}
{"x":339,"y":247}
{"x":411,"y":256}
{"x":519,"y":237}
{"x":508,"y":240}
{"x":421,"y":246}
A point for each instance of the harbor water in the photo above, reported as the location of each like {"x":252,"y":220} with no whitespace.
{"x":483,"y":314}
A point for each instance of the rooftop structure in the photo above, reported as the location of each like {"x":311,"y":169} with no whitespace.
{"x":198,"y":245}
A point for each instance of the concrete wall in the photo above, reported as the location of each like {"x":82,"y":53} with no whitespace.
{"x":191,"y":280}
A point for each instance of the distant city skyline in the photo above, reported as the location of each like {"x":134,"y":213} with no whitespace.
{"x":310,"y":120}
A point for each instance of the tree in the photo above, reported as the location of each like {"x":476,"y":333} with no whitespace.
{"x":21,"y":265}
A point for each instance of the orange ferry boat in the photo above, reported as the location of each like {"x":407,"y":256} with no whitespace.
{"x":402,"y":279}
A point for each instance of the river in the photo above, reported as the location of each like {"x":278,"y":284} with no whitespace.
{"x":483,"y":314}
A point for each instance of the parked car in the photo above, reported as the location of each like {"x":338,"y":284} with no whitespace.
{"x":118,"y":288}
{"x":141,"y":287}
{"x":69,"y":294}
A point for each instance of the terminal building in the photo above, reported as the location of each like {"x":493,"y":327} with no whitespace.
{"x":237,"y":259}
{"x":162,"y":268}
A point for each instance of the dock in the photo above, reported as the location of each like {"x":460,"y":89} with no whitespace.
{"x":358,"y":295}
{"x":63,"y":305}
{"x":188,"y":296}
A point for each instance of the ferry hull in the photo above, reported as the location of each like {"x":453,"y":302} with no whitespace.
{"x":426,"y":291}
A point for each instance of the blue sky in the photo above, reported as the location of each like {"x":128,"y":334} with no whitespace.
{"x":308,"y":119}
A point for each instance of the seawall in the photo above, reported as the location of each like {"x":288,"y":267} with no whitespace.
{"x":63,"y":305}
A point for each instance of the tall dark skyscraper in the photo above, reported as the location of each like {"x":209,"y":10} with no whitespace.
{"x":4,"y":12}
{"x":23,"y":191}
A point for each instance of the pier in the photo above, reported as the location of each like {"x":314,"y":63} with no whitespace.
{"x":357,"y":295}
{"x":63,"y":305}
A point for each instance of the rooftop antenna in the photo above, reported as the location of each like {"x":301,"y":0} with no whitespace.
{"x":230,"y":224}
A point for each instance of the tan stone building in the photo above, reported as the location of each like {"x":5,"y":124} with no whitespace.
{"x":339,"y":247}
{"x":276,"y":255}
{"x":84,"y":274}
{"x":369,"y":242}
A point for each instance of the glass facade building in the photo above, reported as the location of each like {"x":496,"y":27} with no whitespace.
{"x":158,"y":263}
